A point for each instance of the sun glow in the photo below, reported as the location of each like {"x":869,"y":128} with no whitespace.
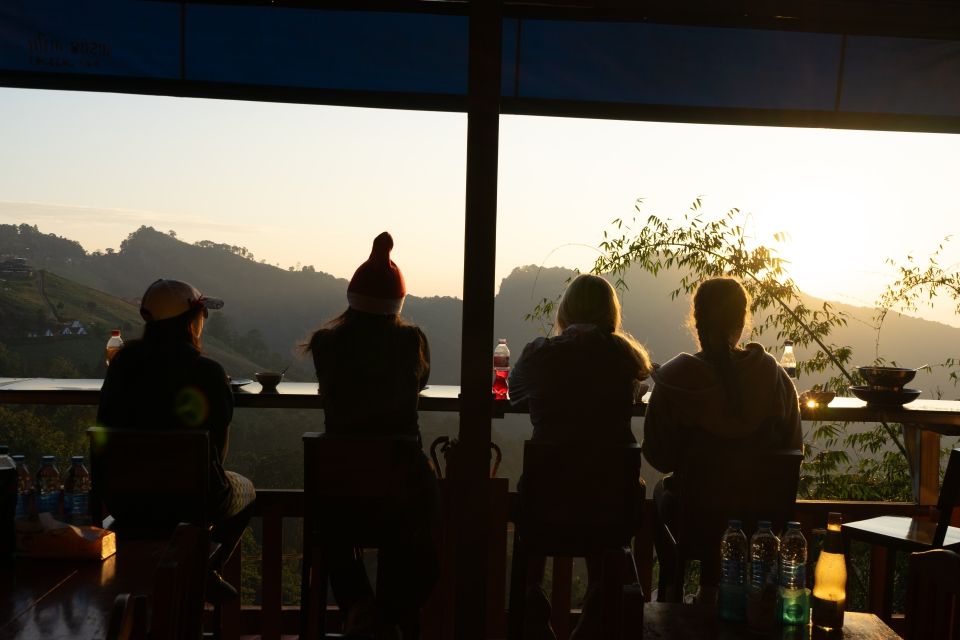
{"x":310,"y":185}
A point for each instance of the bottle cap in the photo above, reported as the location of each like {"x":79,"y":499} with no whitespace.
{"x":76,"y":459}
{"x":734,"y":523}
{"x":4,"y":449}
{"x":793,"y":524}
{"x":47,"y":458}
{"x":115,"y":332}
{"x":763,"y":524}
{"x":788,"y":343}
{"x":18,"y":457}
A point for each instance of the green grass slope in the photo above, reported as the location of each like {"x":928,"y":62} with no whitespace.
{"x":47,"y":301}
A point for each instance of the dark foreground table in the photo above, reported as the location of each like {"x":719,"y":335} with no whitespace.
{"x":692,"y":622}
{"x":64,"y":600}
{"x":71,"y":599}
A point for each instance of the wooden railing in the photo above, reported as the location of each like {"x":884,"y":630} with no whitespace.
{"x":271,"y":619}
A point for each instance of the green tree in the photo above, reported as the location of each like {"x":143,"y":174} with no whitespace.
{"x":694,"y":248}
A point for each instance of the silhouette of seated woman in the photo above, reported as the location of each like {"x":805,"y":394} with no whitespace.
{"x":722,"y":395}
{"x":371,"y":365}
{"x":164,"y":382}
{"x":581,"y":384}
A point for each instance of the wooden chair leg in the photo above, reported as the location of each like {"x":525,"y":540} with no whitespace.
{"x":633,"y":601}
{"x":560,"y":596}
{"x":611,"y":593}
{"x":882,"y":564}
{"x":227,"y":621}
{"x":518,"y":589}
{"x":632,"y":598}
{"x":305,"y":575}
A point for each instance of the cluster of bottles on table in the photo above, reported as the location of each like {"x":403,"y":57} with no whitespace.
{"x":764,"y":582}
{"x":66,"y":497}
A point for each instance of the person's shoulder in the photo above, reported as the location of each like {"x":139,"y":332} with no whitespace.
{"x":411,"y":329}
{"x":320,"y":337}
{"x":678,"y":366}
{"x":756,"y":355}
{"x":537,"y":346}
{"x":133,"y":354}
{"x":210,"y":367}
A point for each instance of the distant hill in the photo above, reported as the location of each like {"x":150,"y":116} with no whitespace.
{"x":46,"y":318}
{"x":281,"y":307}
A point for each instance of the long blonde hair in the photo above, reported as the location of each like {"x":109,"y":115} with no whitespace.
{"x":590,"y":299}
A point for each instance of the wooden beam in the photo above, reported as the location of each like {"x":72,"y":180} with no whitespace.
{"x":470,"y":461}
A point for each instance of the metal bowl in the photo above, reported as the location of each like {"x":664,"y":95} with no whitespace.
{"x":268,"y":379}
{"x":885,"y":397}
{"x":887,"y":378}
{"x":816,"y":399}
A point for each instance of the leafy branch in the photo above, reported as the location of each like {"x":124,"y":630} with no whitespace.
{"x":701,"y":248}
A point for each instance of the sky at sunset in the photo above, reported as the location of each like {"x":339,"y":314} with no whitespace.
{"x":299,"y":184}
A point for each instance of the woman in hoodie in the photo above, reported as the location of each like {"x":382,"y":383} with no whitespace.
{"x":723,"y":394}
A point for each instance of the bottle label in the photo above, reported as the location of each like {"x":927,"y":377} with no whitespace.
{"x":731,"y":571}
{"x":793,"y":575}
{"x":500,"y":388}
{"x":762,"y":573}
{"x":828,"y":614}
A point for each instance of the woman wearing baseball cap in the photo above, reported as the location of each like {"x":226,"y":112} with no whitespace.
{"x":163,"y":381}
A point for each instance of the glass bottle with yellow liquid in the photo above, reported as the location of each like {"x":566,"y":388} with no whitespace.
{"x":830,"y":579}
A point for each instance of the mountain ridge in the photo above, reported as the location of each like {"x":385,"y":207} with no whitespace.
{"x":284,"y":306}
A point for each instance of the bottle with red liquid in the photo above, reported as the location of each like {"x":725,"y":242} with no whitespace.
{"x":114,"y":344}
{"x":501,"y":370}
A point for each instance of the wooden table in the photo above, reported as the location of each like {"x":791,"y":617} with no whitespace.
{"x":924,"y":420}
{"x":662,"y":621}
{"x":71,"y":599}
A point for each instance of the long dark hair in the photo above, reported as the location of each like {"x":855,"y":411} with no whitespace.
{"x":178,"y":329}
{"x":718,"y":316}
{"x":352,"y":319}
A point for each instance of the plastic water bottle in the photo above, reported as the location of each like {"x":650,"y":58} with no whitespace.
{"x":501,"y":369}
{"x":24,"y":486}
{"x":789,"y":360}
{"x":114,"y":344}
{"x":48,"y":486}
{"x":733,"y":564}
{"x":764,"y":555}
{"x":793,"y":595}
{"x":76,"y":493}
{"x":762,"y":594}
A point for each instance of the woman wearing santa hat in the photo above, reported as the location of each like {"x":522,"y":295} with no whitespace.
{"x":371,"y":365}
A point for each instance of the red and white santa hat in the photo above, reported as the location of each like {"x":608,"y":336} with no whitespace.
{"x":377,"y":285}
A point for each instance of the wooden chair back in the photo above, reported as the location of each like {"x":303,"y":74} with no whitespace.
{"x":933,"y":595}
{"x":719,"y":484}
{"x":579,"y":499}
{"x":128,"y":618}
{"x":354,"y":486}
{"x":152,"y":479}
{"x":949,"y":497}
{"x":178,"y":597}
{"x":354,"y":491}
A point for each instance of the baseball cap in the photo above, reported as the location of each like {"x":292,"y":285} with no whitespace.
{"x":165,"y":299}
